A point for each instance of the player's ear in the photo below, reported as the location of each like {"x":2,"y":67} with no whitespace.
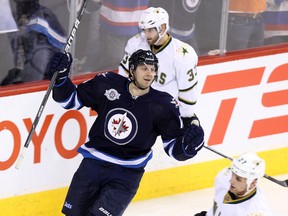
{"x":163,"y":28}
{"x":131,"y":75}
{"x":253,"y":184}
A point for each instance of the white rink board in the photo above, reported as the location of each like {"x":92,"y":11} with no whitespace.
{"x":51,"y":170}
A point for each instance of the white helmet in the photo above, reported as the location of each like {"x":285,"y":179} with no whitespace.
{"x":153,"y":18}
{"x":248,"y":166}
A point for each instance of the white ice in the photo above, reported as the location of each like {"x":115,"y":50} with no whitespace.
{"x":196,"y":201}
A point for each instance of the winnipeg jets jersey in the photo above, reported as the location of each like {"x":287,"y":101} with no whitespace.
{"x":253,"y":204}
{"x":177,"y":73}
{"x":126,"y":127}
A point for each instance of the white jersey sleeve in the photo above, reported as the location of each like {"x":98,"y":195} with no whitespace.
{"x":253,"y":204}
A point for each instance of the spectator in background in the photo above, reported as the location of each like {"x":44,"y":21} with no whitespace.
{"x":7,"y":25}
{"x":40,"y":35}
{"x":245,"y":24}
{"x":182,"y":19}
{"x":276,"y":22}
{"x":237,"y":191}
{"x":118,"y":22}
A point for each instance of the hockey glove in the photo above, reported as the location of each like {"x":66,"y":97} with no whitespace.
{"x":60,"y":62}
{"x":193,"y":139}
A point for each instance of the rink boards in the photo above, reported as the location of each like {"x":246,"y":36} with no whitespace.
{"x":242,"y":107}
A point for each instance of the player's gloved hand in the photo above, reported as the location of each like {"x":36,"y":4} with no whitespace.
{"x":193,"y":139}
{"x":60,"y":62}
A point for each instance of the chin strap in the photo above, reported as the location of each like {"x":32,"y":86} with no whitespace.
{"x":161,"y":36}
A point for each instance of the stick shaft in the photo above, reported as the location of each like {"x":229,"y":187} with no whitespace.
{"x":283,"y":183}
{"x":51,"y":84}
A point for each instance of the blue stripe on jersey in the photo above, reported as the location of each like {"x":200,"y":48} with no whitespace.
{"x":132,"y":163}
{"x":168,"y":147}
{"x":72,"y":102}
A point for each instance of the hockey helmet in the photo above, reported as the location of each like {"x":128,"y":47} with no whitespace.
{"x":153,"y":18}
{"x":248,"y":166}
{"x":143,"y":57}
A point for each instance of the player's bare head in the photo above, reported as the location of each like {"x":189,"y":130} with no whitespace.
{"x":157,"y":18}
{"x":250,"y":167}
{"x":142,"y":57}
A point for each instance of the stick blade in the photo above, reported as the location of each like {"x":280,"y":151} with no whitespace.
{"x":21,"y":157}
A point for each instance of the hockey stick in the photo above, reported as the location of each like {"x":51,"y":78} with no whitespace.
{"x":283,"y":183}
{"x":51,"y":85}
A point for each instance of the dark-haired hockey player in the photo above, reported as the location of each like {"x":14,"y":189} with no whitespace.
{"x":131,"y":114}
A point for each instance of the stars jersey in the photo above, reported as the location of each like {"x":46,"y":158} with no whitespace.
{"x":253,"y":204}
{"x":125,"y":128}
{"x":177,"y":72}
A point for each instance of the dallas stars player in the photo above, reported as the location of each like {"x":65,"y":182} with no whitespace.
{"x":131,"y":115}
{"x":177,"y":73}
{"x":236,"y":190}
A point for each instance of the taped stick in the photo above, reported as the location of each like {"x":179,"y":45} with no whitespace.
{"x":283,"y":183}
{"x":51,"y":85}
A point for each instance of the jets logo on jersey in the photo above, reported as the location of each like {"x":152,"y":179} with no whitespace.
{"x":120,"y":126}
{"x":112,"y":94}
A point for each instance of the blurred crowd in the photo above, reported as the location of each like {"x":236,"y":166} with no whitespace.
{"x":31,"y":31}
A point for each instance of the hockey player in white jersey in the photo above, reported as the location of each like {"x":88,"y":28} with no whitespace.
{"x":236,"y":190}
{"x":177,"y":73}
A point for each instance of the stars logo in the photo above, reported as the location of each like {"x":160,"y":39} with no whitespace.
{"x":257,"y":163}
{"x":183,"y":50}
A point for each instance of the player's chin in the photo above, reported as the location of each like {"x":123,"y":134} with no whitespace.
{"x":232,"y":189}
{"x":150,"y":41}
{"x":146,"y":84}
